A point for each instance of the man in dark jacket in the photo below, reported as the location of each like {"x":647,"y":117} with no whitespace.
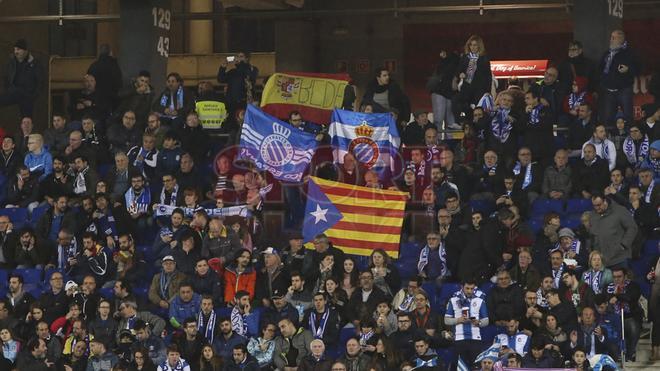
{"x":618,"y":67}
{"x":241,"y":360}
{"x":24,"y":79}
{"x":538,"y":356}
{"x":386,"y":96}
{"x":442,"y":91}
{"x":614,"y":231}
{"x":590,"y":174}
{"x":549,"y":91}
{"x":57,"y":217}
{"x":108,"y":75}
{"x":317,"y":360}
{"x":577,"y":65}
{"x":137,"y":97}
{"x":506,"y":300}
{"x":34,"y":357}
{"x":240,"y":81}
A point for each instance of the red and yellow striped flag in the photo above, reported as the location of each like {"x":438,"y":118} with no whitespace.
{"x":356,"y":219}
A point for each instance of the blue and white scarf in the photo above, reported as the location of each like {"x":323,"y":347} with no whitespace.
{"x":593,"y":279}
{"x":604,"y":148}
{"x":64,"y":253}
{"x":649,"y":192}
{"x":181,"y":365}
{"x":238,"y":323}
{"x":487,"y":103}
{"x":535,"y":115}
{"x":630,"y":150}
{"x":317,"y":332}
{"x":424,"y":259}
{"x":242,"y":210}
{"x":619,"y":305}
{"x":364,"y":337}
{"x":139,"y":204}
{"x":173,"y":196}
{"x":574,"y":100}
{"x":556,"y":276}
{"x":527,"y":180}
{"x":471,"y":67}
{"x":500,"y":125}
{"x":406,"y":304}
{"x":575,"y":247}
{"x":610,"y":56}
{"x":209,"y":328}
{"x":165,"y":279}
{"x":433,"y":362}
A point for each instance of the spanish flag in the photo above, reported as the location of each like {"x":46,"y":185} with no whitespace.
{"x":314,"y":95}
{"x":356,"y":219}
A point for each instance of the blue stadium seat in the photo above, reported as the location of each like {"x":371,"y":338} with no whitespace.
{"x":651,"y":248}
{"x":37,"y":213}
{"x":406,"y":268}
{"x":486,"y":287}
{"x":30,"y":276}
{"x":17,"y":215}
{"x":578,"y":205}
{"x":409,"y":250}
{"x":141,"y":292}
{"x":544,"y":206}
{"x":35,"y":291}
{"x":3,"y":278}
{"x":488,"y":333}
{"x":446,"y":291}
{"x":345,"y":334}
{"x":570,"y":222}
{"x":448,"y":355}
{"x":536,"y":225}
{"x":107,"y":293}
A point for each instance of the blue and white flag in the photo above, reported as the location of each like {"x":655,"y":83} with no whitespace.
{"x":491,"y":353}
{"x":276,"y":146}
{"x":371,"y":137}
{"x":461,"y":366}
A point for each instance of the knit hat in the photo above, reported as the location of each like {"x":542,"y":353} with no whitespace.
{"x":21,"y":44}
{"x":656,"y":145}
{"x":566,"y":232}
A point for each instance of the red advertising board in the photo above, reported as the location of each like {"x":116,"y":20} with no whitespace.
{"x":522,"y":69}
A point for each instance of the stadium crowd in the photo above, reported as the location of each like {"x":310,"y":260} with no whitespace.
{"x":132,"y":239}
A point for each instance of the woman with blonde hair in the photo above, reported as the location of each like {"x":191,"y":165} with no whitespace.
{"x":474,"y":75}
{"x":597,"y":277}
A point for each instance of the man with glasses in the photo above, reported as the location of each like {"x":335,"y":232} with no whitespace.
{"x":432,"y":264}
{"x":614,"y":231}
{"x":468,"y":314}
{"x":576,"y":65}
{"x":648,"y":187}
{"x":54,"y":300}
{"x":190,"y":345}
{"x":404,"y":300}
{"x":129,"y":316}
{"x":363,"y":302}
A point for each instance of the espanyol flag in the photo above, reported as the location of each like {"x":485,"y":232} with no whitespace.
{"x":275,"y":146}
{"x":371,"y":137}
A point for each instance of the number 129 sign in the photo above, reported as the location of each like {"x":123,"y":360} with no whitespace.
{"x":162,"y":21}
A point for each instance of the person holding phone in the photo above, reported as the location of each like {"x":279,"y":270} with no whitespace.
{"x":240,"y":81}
{"x":619,"y":66}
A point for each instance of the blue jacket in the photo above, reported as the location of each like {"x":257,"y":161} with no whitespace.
{"x":223,"y":347}
{"x":180,"y":310}
{"x":41,"y":164}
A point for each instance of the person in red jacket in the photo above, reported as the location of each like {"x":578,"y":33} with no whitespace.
{"x":240,"y":276}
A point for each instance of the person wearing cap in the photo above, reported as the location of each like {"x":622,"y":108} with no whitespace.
{"x":165,"y":285}
{"x":24,"y":78}
{"x":129,"y":315}
{"x":571,"y":247}
{"x":100,"y":358}
{"x":280,"y":308}
{"x":294,"y":253}
{"x":274,"y":275}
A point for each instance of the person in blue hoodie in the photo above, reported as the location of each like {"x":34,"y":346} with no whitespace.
{"x":38,"y":160}
{"x":185,"y":305}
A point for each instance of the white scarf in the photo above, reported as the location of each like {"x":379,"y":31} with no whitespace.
{"x":173,"y":196}
{"x":424,"y":258}
{"x":80,"y":187}
{"x":630,"y":150}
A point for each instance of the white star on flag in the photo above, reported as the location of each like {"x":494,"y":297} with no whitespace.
{"x":319,"y":214}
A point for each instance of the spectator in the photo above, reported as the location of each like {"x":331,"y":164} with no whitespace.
{"x":618,"y":68}
{"x":385,"y":95}
{"x":505,"y":300}
{"x":539,"y":357}
{"x":34,"y":357}
{"x":317,"y":360}
{"x":193,"y":138}
{"x":571,"y":248}
{"x":590,"y":175}
{"x":209,"y":360}
{"x":58,"y":183}
{"x":581,"y":129}
{"x":129,"y":317}
{"x":241,"y":81}
{"x":589,"y":336}
{"x":442,"y":91}
{"x":124,"y":135}
{"x":557,"y":178}
{"x":597,"y":276}
{"x":512,"y":340}
{"x":38,"y":160}
{"x":498,"y":129}
{"x":137,"y":96}
{"x":56,"y":137}
{"x":165,"y":285}
{"x":577,"y":65}
{"x":614,"y":231}
{"x":605,"y":149}
{"x":24,"y":79}
{"x":354,"y":358}
{"x":474,"y":75}
{"x":224,"y":343}
{"x":174,"y":102}
{"x":239,"y":275}
{"x":101,"y":358}
{"x":191,"y":343}
{"x":263,"y":348}
{"x":241,"y":360}
{"x":185,"y":305}
{"x":469,"y":315}
{"x":576,"y":95}
{"x":563,"y":311}
{"x":524,"y":273}
{"x":579,"y":293}
{"x":148,"y":340}
{"x":85,"y":179}
{"x":537,"y":128}
{"x":28,"y":252}
{"x":145,"y":158}
{"x":108,"y":75}
{"x":413,"y":133}
{"x":624,"y":297}
{"x":425,"y":357}
{"x":10,"y":157}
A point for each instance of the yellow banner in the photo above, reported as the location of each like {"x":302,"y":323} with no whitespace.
{"x":315,"y":91}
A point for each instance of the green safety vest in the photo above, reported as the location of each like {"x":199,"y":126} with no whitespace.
{"x":211,"y":114}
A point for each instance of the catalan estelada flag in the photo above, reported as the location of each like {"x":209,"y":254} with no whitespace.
{"x":356,"y":219}
{"x":314,"y":95}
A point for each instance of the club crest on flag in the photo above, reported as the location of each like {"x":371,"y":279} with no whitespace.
{"x":276,"y":150}
{"x":363,"y":147}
